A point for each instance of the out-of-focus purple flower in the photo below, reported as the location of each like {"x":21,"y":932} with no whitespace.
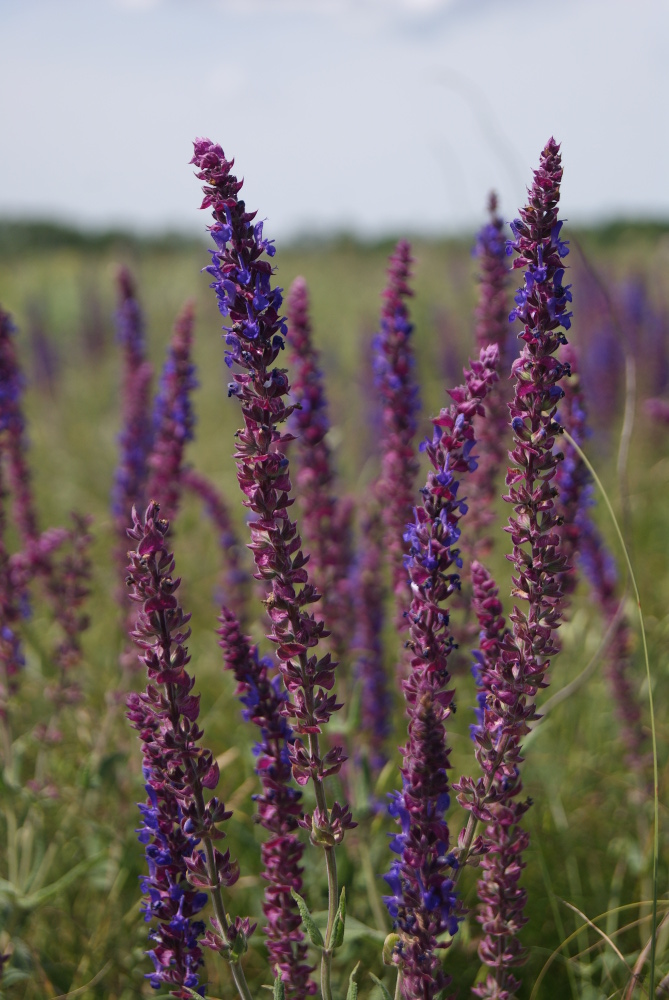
{"x":327,"y":522}
{"x":254,"y":338}
{"x":279,"y":805}
{"x":136,"y":434}
{"x":45,"y":357}
{"x":492,"y":430}
{"x":177,"y":771}
{"x":581,"y":537}
{"x":397,"y":387}
{"x":423,"y":903}
{"x":173,"y":418}
{"x":13,"y":435}
{"x":657,"y":410}
{"x":370,"y":672}
{"x":235,"y":579}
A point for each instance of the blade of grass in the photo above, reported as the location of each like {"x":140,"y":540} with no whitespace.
{"x":656,"y":808}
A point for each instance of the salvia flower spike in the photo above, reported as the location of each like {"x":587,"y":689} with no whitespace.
{"x":396,"y":384}
{"x":326,"y":521}
{"x":279,"y":805}
{"x":173,"y":417}
{"x":423,"y":903}
{"x":136,"y":435}
{"x":254,"y":338}
{"x":177,"y":770}
{"x":492,"y":431}
{"x":526,"y":650}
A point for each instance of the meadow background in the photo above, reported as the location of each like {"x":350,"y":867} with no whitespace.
{"x":75,"y":919}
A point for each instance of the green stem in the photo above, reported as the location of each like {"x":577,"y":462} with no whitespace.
{"x":333,"y":888}
{"x":378,"y":910}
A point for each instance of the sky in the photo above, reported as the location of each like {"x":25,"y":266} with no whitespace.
{"x":376,"y":117}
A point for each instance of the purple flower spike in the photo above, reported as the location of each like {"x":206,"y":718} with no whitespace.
{"x":370,"y":594}
{"x":173,"y":418}
{"x":13,"y":436}
{"x":235,"y":580}
{"x":492,"y":432}
{"x":502,"y":716}
{"x":526,"y":652}
{"x":177,"y":770}
{"x":396,"y":384}
{"x":327,"y":523}
{"x":136,"y":434}
{"x":423,"y":902}
{"x":255,"y":338}
{"x":279,"y":805}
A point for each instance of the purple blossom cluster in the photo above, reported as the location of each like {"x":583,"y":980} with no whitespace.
{"x":234,"y":579}
{"x":176,"y":818}
{"x":370,"y":672}
{"x":173,"y":418}
{"x":136,"y":435}
{"x":502,"y":716}
{"x":398,"y":391}
{"x":254,"y":339}
{"x":423,"y":903}
{"x":327,"y":522}
{"x":279,"y":805}
{"x":492,"y":327}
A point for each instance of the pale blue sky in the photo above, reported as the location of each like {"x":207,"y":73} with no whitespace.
{"x":378,"y":116}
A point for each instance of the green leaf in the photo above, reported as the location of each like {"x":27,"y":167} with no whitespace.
{"x":279,"y":989}
{"x":352,"y":992}
{"x":339,"y":921}
{"x":312,"y":930}
{"x":12,"y":976}
{"x":33,"y":899}
{"x":384,"y":991}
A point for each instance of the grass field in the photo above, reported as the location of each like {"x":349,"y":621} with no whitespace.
{"x":69,"y":899}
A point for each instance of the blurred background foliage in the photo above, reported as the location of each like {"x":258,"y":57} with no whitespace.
{"x":69,"y":895}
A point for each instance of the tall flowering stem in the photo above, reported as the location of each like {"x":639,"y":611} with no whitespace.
{"x":504,"y":709}
{"x":492,"y":327}
{"x":136,"y":434}
{"x":173,"y":418}
{"x":279,"y":805}
{"x":423,"y":901}
{"x":255,"y":338}
{"x":370,"y":597}
{"x":326,"y":522}
{"x":235,"y":578}
{"x":13,"y":434}
{"x":525,"y":652}
{"x":177,"y":771}
{"x":396,"y":384}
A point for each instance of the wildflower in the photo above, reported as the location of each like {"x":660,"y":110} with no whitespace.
{"x":235,"y":579}
{"x":423,"y":901}
{"x":279,"y":805}
{"x":136,"y":433}
{"x":173,"y":419}
{"x":254,"y":339}
{"x":526,"y":650}
{"x":492,"y":327}
{"x":396,"y":384}
{"x":176,"y":819}
{"x":326,"y":522}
